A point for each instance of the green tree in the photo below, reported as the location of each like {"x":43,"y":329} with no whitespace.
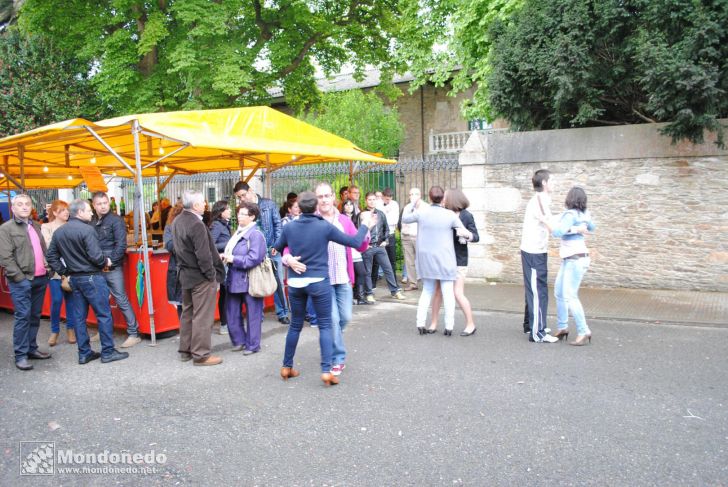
{"x":189,"y":54}
{"x":362,"y":118}
{"x":573,"y":63}
{"x":39,"y":85}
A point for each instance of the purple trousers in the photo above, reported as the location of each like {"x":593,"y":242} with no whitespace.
{"x":247,"y":334}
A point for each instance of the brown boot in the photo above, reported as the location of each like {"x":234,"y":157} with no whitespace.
{"x":53,"y":339}
{"x":211,"y":360}
{"x":71,"y":334}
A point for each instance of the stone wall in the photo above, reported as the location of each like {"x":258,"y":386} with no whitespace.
{"x":661,"y":210}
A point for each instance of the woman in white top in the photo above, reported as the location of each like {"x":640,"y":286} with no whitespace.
{"x":57,"y":216}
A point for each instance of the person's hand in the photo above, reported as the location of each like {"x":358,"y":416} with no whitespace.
{"x":273,"y":252}
{"x":296,"y":265}
{"x":463,"y":232}
{"x":383,"y":244}
{"x":227,"y":258}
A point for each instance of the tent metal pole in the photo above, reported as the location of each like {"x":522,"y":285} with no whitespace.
{"x":145,"y":249}
{"x":21,"y":156}
{"x":114,"y":153}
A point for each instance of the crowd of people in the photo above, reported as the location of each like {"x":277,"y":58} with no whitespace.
{"x":328,"y":253}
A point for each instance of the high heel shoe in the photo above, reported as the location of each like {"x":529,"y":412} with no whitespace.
{"x":581,"y":340}
{"x":421,"y":330}
{"x":562,"y":334}
{"x":430,"y":331}
{"x":288,"y":373}
{"x":329,"y":379}
{"x":468,"y":333}
{"x":448,"y":333}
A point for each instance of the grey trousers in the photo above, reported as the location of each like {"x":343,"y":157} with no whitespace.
{"x":198,"y":314}
{"x":115,"y":281}
{"x":410,"y":252}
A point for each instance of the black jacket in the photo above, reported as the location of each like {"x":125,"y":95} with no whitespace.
{"x":111,"y":230}
{"x":220,"y":230}
{"x":380,"y":232}
{"x":77,"y":243}
{"x":197,"y":258}
{"x":461,"y":250}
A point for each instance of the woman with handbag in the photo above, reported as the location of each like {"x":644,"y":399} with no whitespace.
{"x":245,"y":251}
{"x":57,"y":216}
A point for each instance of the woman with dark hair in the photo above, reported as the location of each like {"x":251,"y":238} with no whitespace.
{"x":245,"y":250}
{"x":220,"y":230}
{"x":456,"y":201}
{"x":360,"y":270}
{"x":174,"y":289}
{"x":435,"y":259}
{"x":571,"y":227}
{"x":57,"y":216}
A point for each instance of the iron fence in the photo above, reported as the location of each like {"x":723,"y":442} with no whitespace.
{"x":439,"y":169}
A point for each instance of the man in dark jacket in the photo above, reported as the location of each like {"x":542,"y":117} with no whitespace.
{"x":22,"y":254}
{"x":270,"y":224}
{"x":200,"y":273}
{"x":111,"y":230}
{"x":75,"y":252}
{"x":376,"y":251}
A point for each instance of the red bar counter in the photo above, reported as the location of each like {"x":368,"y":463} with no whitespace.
{"x":165,"y":314}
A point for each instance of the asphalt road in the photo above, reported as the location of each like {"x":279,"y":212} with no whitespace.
{"x":644,"y":404}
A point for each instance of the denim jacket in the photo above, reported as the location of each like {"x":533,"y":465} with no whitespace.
{"x":270,"y":220}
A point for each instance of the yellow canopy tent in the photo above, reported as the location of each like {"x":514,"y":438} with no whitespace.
{"x":174,"y":142}
{"x":167,"y":144}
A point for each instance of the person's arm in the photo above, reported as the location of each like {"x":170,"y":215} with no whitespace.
{"x":119,"y":252}
{"x":411,"y":213}
{"x":470,"y":225}
{"x":277,"y":227}
{"x":93,"y":249}
{"x":200,"y":238}
{"x":168,"y":240}
{"x":281,"y":241}
{"x":336,"y":235}
{"x":385,"y":229}
{"x":563,"y":226}
{"x":255,"y":254}
{"x":12,"y":270}
{"x":54,"y":259}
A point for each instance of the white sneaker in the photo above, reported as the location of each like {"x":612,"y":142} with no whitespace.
{"x":549,"y":339}
{"x":223,"y":330}
{"x":131,"y":341}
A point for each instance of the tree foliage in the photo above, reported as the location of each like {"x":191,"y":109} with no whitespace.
{"x":362,"y":118}
{"x":573,"y":63}
{"x":582,"y":63}
{"x":190,"y":54}
{"x":39,"y":85}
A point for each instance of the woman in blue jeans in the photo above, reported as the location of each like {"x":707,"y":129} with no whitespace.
{"x":57,"y":216}
{"x":571,"y":227}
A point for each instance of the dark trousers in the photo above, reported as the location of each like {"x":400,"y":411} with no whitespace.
{"x":221,"y":308}
{"x":391,"y":255}
{"x":379,"y":255}
{"x":320,"y":293}
{"x":198,"y":314}
{"x":360,"y":271}
{"x":92,"y":291}
{"x":535,"y":282}
{"x":27,"y":299}
{"x":247,"y":333}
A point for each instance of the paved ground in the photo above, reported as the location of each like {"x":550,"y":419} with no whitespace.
{"x":645,"y":404}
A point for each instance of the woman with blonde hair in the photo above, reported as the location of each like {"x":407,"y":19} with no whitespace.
{"x":456,"y":201}
{"x":57,"y":216}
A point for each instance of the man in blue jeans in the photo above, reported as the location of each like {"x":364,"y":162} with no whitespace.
{"x":75,"y":252}
{"x":111,"y":230}
{"x":22,"y":254}
{"x":341,"y":274}
{"x":270,"y":224}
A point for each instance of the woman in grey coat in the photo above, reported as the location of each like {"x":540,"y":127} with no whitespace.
{"x":435,"y":259}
